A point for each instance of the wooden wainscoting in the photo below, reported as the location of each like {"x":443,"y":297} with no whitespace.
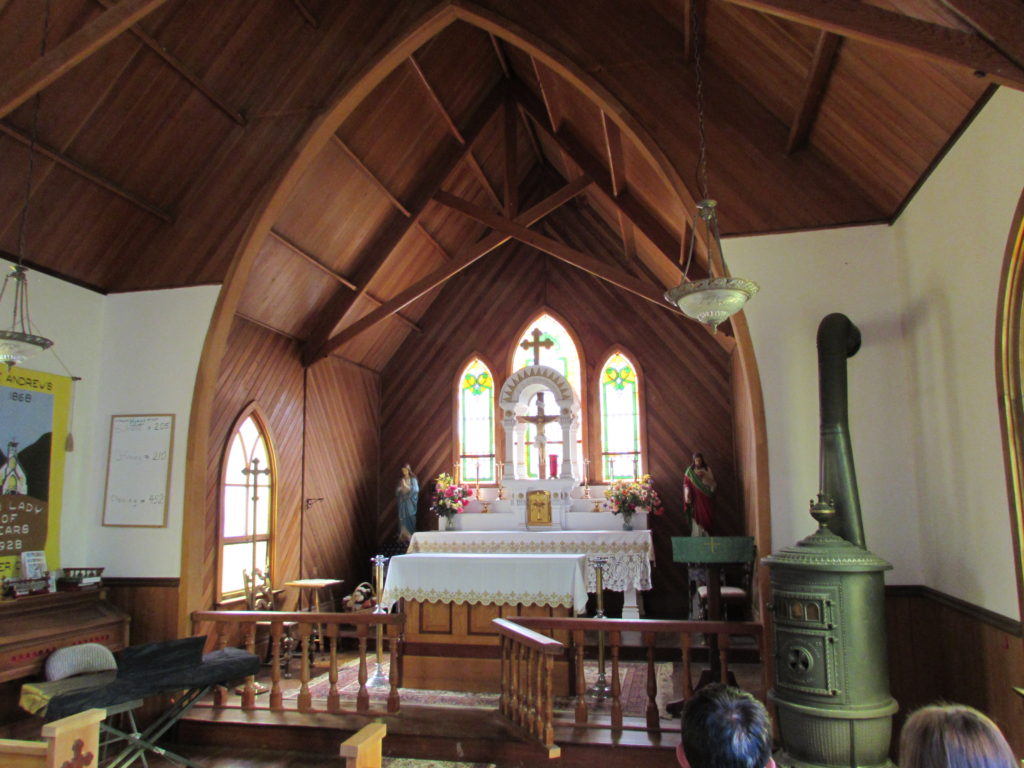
{"x":944,"y":648}
{"x":152,"y":604}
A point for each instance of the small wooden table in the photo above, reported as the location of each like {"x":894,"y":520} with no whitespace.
{"x":310,"y":590}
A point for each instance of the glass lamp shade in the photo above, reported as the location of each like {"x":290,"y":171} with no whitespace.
{"x":16,"y":346}
{"x":712,"y":301}
{"x":17,"y":343}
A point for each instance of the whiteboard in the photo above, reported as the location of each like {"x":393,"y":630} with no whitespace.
{"x":138,"y":470}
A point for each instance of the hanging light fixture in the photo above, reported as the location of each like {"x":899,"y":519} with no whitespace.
{"x":18,"y":341}
{"x":715,"y":299}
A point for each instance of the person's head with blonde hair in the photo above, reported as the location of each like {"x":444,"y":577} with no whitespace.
{"x":953,"y":736}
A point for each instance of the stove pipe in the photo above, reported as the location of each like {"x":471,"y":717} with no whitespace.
{"x":838,"y":339}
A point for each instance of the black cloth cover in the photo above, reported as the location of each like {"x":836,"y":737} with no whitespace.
{"x":147,"y":670}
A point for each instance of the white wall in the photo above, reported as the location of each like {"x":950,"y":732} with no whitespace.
{"x":803,"y":278}
{"x":146,"y":364}
{"x":951,"y":242}
{"x":923,"y":412}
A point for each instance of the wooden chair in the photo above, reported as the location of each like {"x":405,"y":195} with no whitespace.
{"x":259,"y":596}
{"x":72,"y":741}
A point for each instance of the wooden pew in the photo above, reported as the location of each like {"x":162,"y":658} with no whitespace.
{"x":73,"y":741}
{"x":363,"y":749}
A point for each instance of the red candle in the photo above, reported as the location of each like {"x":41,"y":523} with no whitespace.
{"x":553,"y":465}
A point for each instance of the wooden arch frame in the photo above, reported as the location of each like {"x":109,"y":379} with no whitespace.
{"x":455,"y":386}
{"x":251,"y":410}
{"x":1010,"y":384}
{"x":748,"y":401}
{"x":641,"y":392}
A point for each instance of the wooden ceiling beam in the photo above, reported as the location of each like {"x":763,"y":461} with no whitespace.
{"x":481,"y":177}
{"x":499,"y":52}
{"x":306,"y":14}
{"x":815,"y":84}
{"x":72,"y":51}
{"x":870,"y":24}
{"x":80,"y":170}
{"x":435,"y":100}
{"x":395,"y":228}
{"x":559,"y":250}
{"x":1001,"y":22}
{"x":468,"y":256}
{"x":371,"y":176}
{"x":616,"y":169}
{"x":433,"y":241}
{"x":453,"y":129}
{"x":179,"y":66}
{"x":309,"y":258}
{"x":664,"y":241}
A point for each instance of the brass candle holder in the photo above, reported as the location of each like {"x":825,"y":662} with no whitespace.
{"x":600,"y":689}
{"x":379,"y":679}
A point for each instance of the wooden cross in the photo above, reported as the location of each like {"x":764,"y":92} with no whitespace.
{"x":536,"y":344}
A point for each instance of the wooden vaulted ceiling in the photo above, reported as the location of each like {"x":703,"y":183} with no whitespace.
{"x":165,"y":126}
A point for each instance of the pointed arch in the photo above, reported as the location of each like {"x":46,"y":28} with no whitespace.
{"x":248,"y":502}
{"x":566,"y":357}
{"x":476,"y":454}
{"x":1010,"y":383}
{"x":621,"y":433}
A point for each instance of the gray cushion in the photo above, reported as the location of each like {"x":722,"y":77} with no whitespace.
{"x":78,"y":660}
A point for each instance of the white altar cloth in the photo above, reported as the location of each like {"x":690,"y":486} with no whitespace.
{"x":500,"y":579}
{"x":629,"y":553}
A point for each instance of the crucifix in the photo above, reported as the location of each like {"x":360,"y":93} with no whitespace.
{"x":540,"y":419}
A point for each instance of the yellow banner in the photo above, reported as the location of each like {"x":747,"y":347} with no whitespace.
{"x":33,"y":431}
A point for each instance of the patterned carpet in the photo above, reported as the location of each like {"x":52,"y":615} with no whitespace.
{"x":633,"y":690}
{"x":410,"y":762}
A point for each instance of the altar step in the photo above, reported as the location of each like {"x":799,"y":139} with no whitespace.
{"x":435,"y":733}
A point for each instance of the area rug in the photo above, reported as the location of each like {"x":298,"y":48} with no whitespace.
{"x":633,"y":690}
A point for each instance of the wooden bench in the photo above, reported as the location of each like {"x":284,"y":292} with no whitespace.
{"x":72,"y":741}
{"x":363,"y":749}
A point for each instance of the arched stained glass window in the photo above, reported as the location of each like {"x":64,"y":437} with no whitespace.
{"x":620,"y":420}
{"x":247,"y":506}
{"x":556,"y":350}
{"x":476,"y":424}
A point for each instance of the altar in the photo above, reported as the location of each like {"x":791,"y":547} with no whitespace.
{"x":629,"y":554}
{"x":449,"y":600}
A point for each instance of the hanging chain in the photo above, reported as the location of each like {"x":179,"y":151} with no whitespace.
{"x":698,"y":44}
{"x":32,"y":143}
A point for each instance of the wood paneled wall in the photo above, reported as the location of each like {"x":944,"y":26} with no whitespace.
{"x":685,"y":387}
{"x":324,"y":427}
{"x":941,"y":648}
{"x":339,"y":532}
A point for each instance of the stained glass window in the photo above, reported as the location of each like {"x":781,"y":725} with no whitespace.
{"x":558,"y":351}
{"x":620,"y":420}
{"x":476,"y":424}
{"x":247,"y":505}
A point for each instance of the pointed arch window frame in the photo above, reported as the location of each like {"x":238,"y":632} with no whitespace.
{"x":642,"y":466}
{"x":254,"y":412}
{"x":1010,"y":384}
{"x":458,"y":457}
{"x":523,"y":332}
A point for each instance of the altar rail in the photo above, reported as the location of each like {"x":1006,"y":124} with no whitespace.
{"x":527,"y":661}
{"x":331,"y":627}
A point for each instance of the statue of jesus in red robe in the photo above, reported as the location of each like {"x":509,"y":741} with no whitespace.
{"x":698,"y":492}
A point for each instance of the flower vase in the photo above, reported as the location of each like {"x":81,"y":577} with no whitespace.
{"x":627,"y":522}
{"x":442,"y":523}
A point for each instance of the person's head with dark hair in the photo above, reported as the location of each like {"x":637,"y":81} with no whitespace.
{"x":953,"y":736}
{"x":724,"y":727}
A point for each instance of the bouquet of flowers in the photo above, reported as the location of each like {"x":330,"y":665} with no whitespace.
{"x":627,"y":497}
{"x":449,"y":497}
